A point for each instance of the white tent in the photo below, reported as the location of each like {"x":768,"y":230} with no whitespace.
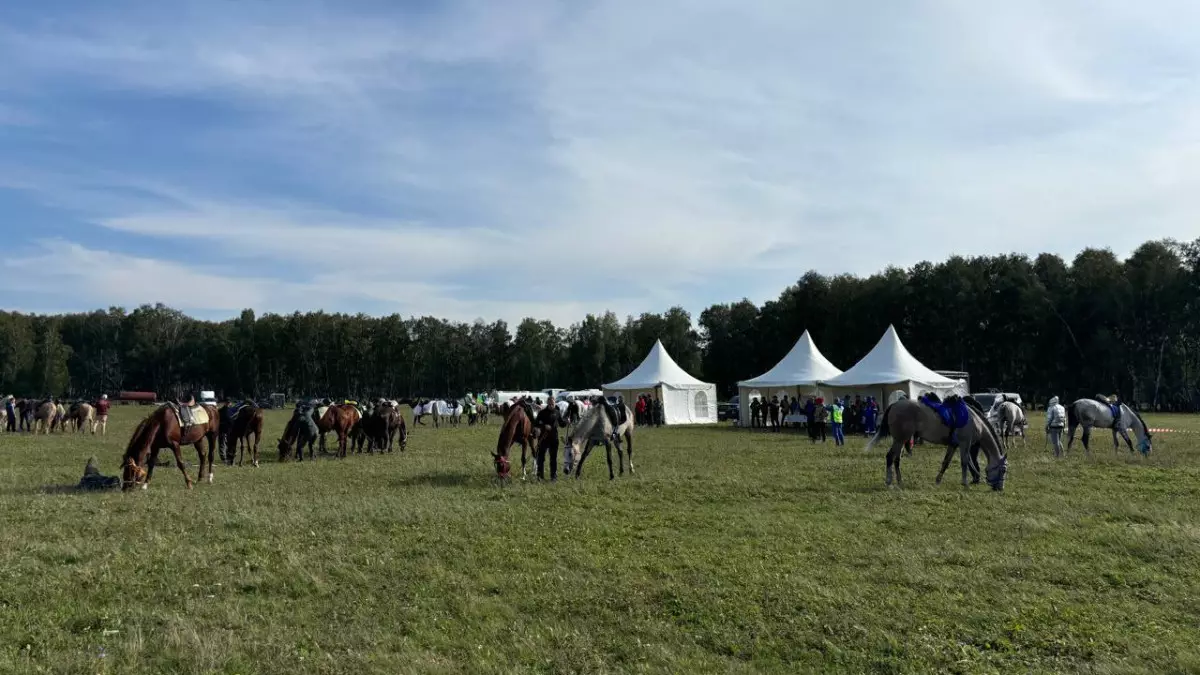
{"x":797,"y":374}
{"x":888,"y":367}
{"x":685,"y":399}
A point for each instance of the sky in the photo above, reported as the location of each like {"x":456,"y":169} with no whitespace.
{"x":474,"y":159}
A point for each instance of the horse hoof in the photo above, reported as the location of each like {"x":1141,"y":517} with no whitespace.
{"x":145,"y":487}
{"x":210,"y":479}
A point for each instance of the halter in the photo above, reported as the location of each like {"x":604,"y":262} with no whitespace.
{"x":139,"y":474}
{"x":502,"y":469}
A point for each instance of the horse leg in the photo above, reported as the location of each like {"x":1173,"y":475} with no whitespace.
{"x":524,"y":472}
{"x":629,"y":449}
{"x":1085,"y":438}
{"x":587,"y":450}
{"x":608,"y":453}
{"x":151,"y":461}
{"x":1070,"y":435}
{"x":1128,"y":442}
{"x":257,"y":437}
{"x":201,"y":455}
{"x":892,"y":458}
{"x":179,"y":463}
{"x":945,"y":465}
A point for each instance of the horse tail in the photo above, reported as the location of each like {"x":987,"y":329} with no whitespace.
{"x":883,"y":432}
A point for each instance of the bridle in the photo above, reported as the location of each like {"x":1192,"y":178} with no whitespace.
{"x":139,"y":474}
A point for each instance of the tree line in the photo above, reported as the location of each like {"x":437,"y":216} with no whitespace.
{"x":1036,"y":326}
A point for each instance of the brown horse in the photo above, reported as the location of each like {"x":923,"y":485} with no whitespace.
{"x":161,"y":429}
{"x":83,"y":415}
{"x":340,"y":419}
{"x":46,"y":413}
{"x":380,"y":428}
{"x":517,"y":428}
{"x":249,"y":420}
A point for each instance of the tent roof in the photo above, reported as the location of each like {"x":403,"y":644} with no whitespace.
{"x":803,"y":365}
{"x":657,"y":368}
{"x":888,"y":363}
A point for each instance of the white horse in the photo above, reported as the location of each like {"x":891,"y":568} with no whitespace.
{"x":595,"y":428}
{"x":1090,"y":413}
{"x":1009,"y":419}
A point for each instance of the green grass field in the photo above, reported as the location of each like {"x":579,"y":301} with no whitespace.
{"x":728,"y":552}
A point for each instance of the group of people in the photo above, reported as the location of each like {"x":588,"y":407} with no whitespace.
{"x":648,"y":412}
{"x":839,"y":416}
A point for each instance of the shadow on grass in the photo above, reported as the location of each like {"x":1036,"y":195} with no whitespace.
{"x":441,"y":479}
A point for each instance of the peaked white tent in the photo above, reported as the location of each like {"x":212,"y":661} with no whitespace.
{"x":888,"y":367}
{"x":797,"y":374}
{"x":685,"y":399}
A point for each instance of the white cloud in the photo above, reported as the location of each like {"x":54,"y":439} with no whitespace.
{"x":647,"y":150}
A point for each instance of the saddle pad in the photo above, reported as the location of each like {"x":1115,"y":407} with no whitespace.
{"x":954,"y":416}
{"x":199,"y":415}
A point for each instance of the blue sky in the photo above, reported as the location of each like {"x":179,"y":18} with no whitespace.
{"x":478,"y":159}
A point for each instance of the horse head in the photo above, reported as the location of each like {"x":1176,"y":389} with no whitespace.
{"x":996,"y":473}
{"x":502,"y":468}
{"x":132,"y":474}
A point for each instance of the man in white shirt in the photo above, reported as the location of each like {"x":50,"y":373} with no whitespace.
{"x":1056,"y":421}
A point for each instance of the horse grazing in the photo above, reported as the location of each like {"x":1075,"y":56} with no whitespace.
{"x":517,"y":428}
{"x":380,"y":428}
{"x":161,"y":429}
{"x":1091,"y":413}
{"x":594,"y":428}
{"x":247,"y":421}
{"x":1009,"y":418}
{"x":83,"y":416}
{"x":341,"y":419}
{"x":906,"y":419}
{"x":301,"y":430}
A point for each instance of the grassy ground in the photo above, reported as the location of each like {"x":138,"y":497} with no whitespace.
{"x":728,"y":552}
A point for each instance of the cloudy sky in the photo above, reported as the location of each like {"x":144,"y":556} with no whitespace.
{"x":501,"y":159}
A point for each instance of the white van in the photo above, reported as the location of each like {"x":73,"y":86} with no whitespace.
{"x":208,"y":398}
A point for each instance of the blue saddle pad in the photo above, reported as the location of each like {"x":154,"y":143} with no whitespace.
{"x":1116,"y":411}
{"x":955,"y":415}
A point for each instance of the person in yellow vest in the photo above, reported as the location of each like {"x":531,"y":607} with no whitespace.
{"x":835,"y":416}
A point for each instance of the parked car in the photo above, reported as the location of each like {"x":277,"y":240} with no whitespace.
{"x":988,"y":399}
{"x":727,"y":411}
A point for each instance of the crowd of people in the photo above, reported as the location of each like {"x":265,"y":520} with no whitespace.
{"x":821,"y":419}
{"x":648,"y":411}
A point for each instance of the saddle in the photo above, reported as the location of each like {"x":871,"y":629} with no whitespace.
{"x":189,"y":415}
{"x":953,"y":413}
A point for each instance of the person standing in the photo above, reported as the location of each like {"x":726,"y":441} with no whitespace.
{"x":10,"y":410}
{"x":546,"y":425}
{"x":101,"y":415}
{"x":1056,"y":421}
{"x":755,"y":413}
{"x":836,"y":411}
{"x":774,"y":408}
{"x":822,"y":419}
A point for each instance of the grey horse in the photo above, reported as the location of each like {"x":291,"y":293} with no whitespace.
{"x":1092,"y":413}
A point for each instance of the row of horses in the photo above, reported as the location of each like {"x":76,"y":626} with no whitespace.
{"x":237,"y":429}
{"x":969,"y":429}
{"x":47,"y":416}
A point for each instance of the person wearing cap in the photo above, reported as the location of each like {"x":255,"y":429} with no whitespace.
{"x":101,"y":415}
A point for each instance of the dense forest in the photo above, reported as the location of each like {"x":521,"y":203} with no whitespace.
{"x":1041,"y":326}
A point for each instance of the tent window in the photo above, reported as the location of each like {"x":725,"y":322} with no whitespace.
{"x":701,"y":405}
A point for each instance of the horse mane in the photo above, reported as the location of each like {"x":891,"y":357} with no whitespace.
{"x":142,"y":435}
{"x":1145,"y":427}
